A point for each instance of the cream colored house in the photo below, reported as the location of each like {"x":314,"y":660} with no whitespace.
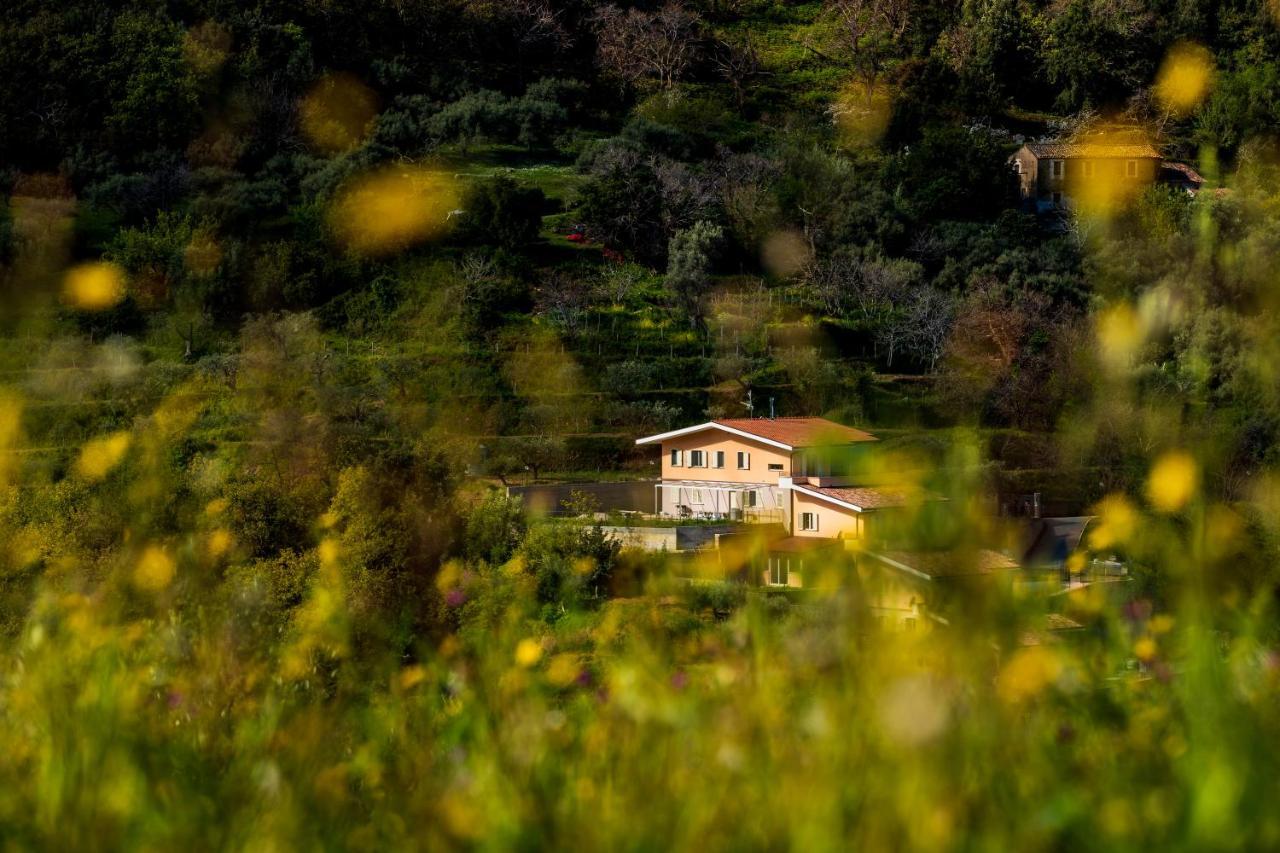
{"x":742,"y":468}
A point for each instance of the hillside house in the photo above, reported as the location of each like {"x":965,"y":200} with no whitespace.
{"x":1054,"y":175}
{"x":742,"y":468}
{"x":799,"y":473}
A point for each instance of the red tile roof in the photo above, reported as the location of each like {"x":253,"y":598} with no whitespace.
{"x":1069,"y":150}
{"x":873,"y":497}
{"x":1188,"y":174}
{"x":941,"y":564}
{"x":798,"y":432}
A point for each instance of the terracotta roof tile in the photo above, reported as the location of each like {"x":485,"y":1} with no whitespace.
{"x":941,"y":564}
{"x":875,"y":497}
{"x":1068,"y":150}
{"x":798,"y":432}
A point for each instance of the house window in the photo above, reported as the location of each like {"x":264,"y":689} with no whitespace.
{"x":809,"y":521}
{"x":1055,"y":168}
{"x":776,"y":466}
{"x":744,"y":461}
{"x":717,"y":459}
{"x":698,"y":458}
{"x":677,"y":458}
{"x":1131,"y":168}
{"x":750,"y":499}
{"x":779,"y":571}
{"x":1089,"y":168}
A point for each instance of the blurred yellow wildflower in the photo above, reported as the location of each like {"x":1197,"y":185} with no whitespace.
{"x":1184,"y":78}
{"x":393,"y":209}
{"x":563,"y":670}
{"x":1173,"y":481}
{"x":528,"y":652}
{"x":155,"y":569}
{"x":338,"y":113}
{"x":1224,"y":532}
{"x":1117,"y":522}
{"x":412,"y":676}
{"x":1120,"y":333}
{"x":101,"y":455}
{"x":10,"y":430}
{"x":328,"y":551}
{"x":449,"y":575}
{"x":94,"y":286}
{"x":220,"y":542}
{"x":1027,"y":673}
{"x":1145,"y":648}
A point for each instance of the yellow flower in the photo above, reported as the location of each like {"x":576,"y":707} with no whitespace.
{"x":338,"y":113}
{"x":563,"y":670}
{"x":94,"y":286}
{"x":1145,"y":649}
{"x":1184,"y":78}
{"x":1173,"y":481}
{"x":1027,"y":673}
{"x":393,"y":209}
{"x":329,"y":550}
{"x":528,"y":652}
{"x":220,"y":542}
{"x":155,"y":569}
{"x":412,"y":676}
{"x":1117,"y":522}
{"x":101,"y":455}
{"x":1120,"y":333}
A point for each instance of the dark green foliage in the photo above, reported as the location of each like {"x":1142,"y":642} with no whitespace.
{"x":501,"y":212}
{"x":955,"y":173}
{"x":623,"y":206}
{"x":495,"y":528}
{"x":689,"y":260}
{"x":571,"y":563}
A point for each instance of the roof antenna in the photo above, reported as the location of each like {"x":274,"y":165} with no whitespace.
{"x":771,"y":413}
{"x":750,"y":404}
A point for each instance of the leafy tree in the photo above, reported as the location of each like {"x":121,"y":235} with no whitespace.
{"x":956,"y":173}
{"x":623,"y":207}
{"x":495,"y":528}
{"x":572,"y":564}
{"x":503,"y":213}
{"x":689,"y":266}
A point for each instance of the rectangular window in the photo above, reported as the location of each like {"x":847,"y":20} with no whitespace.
{"x":698,"y":458}
{"x":677,"y":458}
{"x":1055,"y":168}
{"x":1131,"y":168}
{"x":717,"y":459}
{"x":776,"y":466}
{"x":1088,"y":168}
{"x":779,"y":571}
{"x":744,"y":461}
{"x":750,"y":499}
{"x":809,"y":521}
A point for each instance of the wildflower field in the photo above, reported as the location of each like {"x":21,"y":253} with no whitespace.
{"x":299,"y":302}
